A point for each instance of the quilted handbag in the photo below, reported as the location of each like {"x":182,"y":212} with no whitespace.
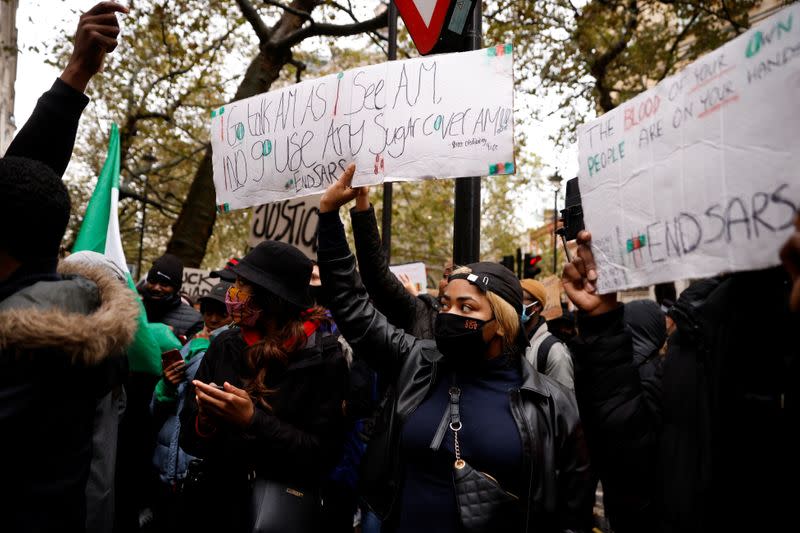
{"x":279,"y":508}
{"x":483,"y":505}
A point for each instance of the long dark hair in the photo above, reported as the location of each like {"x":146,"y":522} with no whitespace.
{"x":275,"y":350}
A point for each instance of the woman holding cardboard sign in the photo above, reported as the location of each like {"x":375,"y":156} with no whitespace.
{"x":477,"y":440}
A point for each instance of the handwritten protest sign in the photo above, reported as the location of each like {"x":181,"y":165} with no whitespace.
{"x":449,"y":115}
{"x":197,"y":282}
{"x":293,"y":221}
{"x":701,"y":174}
{"x":416,"y":273}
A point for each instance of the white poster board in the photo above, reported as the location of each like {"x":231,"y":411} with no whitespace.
{"x":416,"y":273}
{"x":197,"y":282}
{"x":449,"y":115}
{"x":294,"y":221}
{"x":701,"y":174}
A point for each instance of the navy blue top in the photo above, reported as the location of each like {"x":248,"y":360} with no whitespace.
{"x":489,"y":441}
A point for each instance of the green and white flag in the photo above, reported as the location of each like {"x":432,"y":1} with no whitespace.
{"x":100,"y":233}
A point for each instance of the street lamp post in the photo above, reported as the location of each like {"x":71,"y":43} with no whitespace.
{"x":555,"y":179}
{"x":144,"y":174}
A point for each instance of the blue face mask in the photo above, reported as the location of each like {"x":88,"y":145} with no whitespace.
{"x":525,"y":316}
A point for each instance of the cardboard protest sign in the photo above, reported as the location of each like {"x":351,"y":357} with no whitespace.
{"x":197,"y":282}
{"x":554,"y":288}
{"x":701,"y":174}
{"x":415,"y":271}
{"x":448,"y":115}
{"x":292,"y":221}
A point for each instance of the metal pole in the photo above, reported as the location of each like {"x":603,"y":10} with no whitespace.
{"x":467,"y":217}
{"x":386,"y":214}
{"x":555,"y":223}
{"x":141,"y":230}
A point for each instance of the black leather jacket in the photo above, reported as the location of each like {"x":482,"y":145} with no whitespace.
{"x":560,"y":492}
{"x":414,"y":314}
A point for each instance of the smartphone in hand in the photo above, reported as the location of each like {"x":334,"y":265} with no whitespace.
{"x":170,"y":357}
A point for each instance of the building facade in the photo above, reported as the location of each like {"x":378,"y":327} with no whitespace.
{"x":8,"y":70}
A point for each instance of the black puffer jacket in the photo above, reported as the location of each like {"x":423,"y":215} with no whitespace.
{"x":705,"y":446}
{"x":415,"y":315}
{"x":560,"y":493}
{"x":182,"y":318}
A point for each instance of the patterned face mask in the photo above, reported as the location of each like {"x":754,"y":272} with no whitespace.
{"x":240,"y":307}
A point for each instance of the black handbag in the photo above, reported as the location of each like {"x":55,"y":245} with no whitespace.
{"x":483,"y":505}
{"x":277,"y":508}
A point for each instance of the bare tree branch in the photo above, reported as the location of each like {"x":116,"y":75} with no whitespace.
{"x":374,"y":36}
{"x":736,"y":26}
{"x":251,"y":15}
{"x":670,"y":61}
{"x":289,"y":9}
{"x":348,"y":10}
{"x":315,"y":29}
{"x":599,"y":67}
{"x":299,"y":65}
{"x":150,"y":115}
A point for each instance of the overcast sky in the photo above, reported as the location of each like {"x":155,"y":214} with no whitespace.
{"x":37,"y":26}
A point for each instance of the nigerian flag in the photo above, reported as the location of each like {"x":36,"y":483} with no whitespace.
{"x":100,"y":233}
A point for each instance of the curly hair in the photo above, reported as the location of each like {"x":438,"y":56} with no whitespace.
{"x":275,"y":351}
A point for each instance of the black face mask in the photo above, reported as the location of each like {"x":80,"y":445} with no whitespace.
{"x":156,"y":307}
{"x":460,"y":339}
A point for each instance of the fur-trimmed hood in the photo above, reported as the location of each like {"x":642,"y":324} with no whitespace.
{"x":86,"y":320}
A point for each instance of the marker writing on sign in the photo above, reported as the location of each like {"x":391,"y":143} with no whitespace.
{"x":608,"y":157}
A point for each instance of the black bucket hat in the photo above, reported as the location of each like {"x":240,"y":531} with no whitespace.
{"x":225,"y":273}
{"x":279,"y":268}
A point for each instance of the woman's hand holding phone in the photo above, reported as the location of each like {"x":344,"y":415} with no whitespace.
{"x":228,"y":403}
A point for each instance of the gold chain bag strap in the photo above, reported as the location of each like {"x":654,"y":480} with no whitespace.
{"x":483,"y":505}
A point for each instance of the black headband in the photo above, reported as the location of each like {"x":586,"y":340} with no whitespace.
{"x":496,"y":278}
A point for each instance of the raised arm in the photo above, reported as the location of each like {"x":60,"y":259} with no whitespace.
{"x":49,"y":134}
{"x":620,"y":411}
{"x":369,"y":332}
{"x":387,"y":292}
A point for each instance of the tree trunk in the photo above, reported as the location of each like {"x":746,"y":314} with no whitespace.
{"x":194,"y":225}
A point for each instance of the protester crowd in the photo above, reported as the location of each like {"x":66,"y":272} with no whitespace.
{"x":324,"y":395}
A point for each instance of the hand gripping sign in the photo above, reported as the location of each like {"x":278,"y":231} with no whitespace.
{"x":701,"y":174}
{"x":448,"y":115}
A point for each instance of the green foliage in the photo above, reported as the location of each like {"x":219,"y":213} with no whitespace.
{"x":591,"y":56}
{"x":158,"y":86}
{"x":178,"y":60}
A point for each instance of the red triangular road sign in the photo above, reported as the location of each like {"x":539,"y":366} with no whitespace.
{"x":424,"y":20}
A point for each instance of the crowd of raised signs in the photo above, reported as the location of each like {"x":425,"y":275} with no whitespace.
{"x":305,"y":395}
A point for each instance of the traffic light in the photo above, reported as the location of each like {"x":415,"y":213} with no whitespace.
{"x":508,"y":262}
{"x":530,"y":268}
